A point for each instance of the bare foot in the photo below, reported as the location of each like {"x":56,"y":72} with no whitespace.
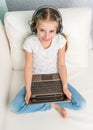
{"x":61,"y":110}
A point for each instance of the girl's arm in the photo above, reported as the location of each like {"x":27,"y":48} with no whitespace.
{"x":63,"y":71}
{"x":61,"y":66}
{"x":28,"y":75}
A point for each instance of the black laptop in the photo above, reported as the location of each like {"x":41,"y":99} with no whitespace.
{"x":47,"y":88}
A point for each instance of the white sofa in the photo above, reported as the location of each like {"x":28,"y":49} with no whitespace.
{"x":79,"y":60}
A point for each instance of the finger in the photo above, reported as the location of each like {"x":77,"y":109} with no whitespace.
{"x":69,"y":95}
{"x":26,"y":100}
{"x":30,"y":102}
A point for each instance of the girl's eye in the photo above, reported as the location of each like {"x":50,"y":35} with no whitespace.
{"x":41,"y":30}
{"x":52,"y":31}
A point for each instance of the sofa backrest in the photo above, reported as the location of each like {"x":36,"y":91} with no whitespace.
{"x":77,"y":26}
{"x":33,"y":4}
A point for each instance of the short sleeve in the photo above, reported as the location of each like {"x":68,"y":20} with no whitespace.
{"x":27,"y":45}
{"x":62,"y":41}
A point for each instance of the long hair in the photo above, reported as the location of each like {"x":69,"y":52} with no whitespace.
{"x":65,"y":36}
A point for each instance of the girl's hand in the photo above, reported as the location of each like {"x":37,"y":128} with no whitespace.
{"x":67,"y":92}
{"x":27,"y":97}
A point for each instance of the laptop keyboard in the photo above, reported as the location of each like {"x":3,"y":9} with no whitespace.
{"x":46,"y":87}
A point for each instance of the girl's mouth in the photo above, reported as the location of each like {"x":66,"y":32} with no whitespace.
{"x":46,"y":40}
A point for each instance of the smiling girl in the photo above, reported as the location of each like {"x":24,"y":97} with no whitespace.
{"x":45,"y":54}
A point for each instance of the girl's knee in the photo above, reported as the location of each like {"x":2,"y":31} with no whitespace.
{"x":14,"y":108}
{"x":80,"y":106}
{"x":17,"y":107}
{"x":17,"y":110}
{"x":18,"y":102}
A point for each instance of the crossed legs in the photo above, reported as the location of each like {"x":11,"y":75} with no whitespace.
{"x":19,"y":105}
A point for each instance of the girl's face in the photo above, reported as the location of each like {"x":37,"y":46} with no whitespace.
{"x":46,"y":30}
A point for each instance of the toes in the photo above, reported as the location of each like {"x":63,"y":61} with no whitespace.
{"x":64,"y":113}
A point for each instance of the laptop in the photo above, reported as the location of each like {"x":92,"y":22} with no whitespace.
{"x":47,"y":88}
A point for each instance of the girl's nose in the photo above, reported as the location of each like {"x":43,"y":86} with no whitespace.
{"x":46,"y":35}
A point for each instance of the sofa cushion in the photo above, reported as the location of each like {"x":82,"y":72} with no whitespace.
{"x":76,"y":22}
{"x":77,"y":120}
{"x":5,"y":73}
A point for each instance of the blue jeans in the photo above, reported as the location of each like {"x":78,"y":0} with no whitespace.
{"x":19,"y":105}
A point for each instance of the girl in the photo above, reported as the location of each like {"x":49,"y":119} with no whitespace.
{"x":45,"y":54}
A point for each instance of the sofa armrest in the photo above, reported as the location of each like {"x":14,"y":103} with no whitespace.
{"x":5,"y":75}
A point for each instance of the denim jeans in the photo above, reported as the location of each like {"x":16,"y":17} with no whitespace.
{"x":19,"y":105}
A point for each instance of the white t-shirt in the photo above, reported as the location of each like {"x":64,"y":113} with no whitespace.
{"x":44,"y":60}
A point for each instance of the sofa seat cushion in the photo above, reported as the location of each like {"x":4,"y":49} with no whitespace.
{"x":51,"y":119}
